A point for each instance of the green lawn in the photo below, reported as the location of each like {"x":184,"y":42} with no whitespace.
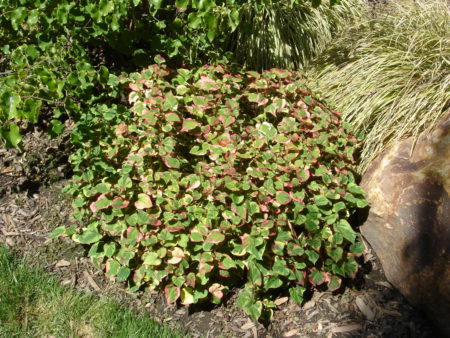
{"x":33,"y":304}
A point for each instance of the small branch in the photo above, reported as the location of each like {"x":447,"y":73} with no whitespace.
{"x":37,"y":98}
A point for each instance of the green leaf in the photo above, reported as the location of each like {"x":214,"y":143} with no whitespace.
{"x":194,"y":20}
{"x":170,"y":102}
{"x":344,"y":228}
{"x":267,"y":129}
{"x":88,"y":236}
{"x":317,"y":277}
{"x":355,"y":189}
{"x":254,"y":275}
{"x":57,"y":127}
{"x":296,"y":293}
{"x":283,"y":197}
{"x":273,"y":282}
{"x":11,"y":135}
{"x":59,"y":231}
{"x":182,"y":4}
{"x":247,"y":302}
{"x":321,"y":201}
{"x":123,"y":273}
{"x":172,"y":162}
{"x":233,"y":19}
{"x":172,"y":293}
{"x":151,"y":258}
{"x":189,"y":124}
{"x":215,"y":237}
{"x":357,"y":248}
{"x":211,"y":24}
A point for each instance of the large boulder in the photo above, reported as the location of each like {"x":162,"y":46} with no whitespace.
{"x":408,"y":224}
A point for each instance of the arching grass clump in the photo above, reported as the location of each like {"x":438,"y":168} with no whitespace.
{"x":389,"y":72}
{"x":286,"y":34}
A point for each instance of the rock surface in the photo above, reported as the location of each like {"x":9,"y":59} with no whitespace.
{"x":408,"y":224}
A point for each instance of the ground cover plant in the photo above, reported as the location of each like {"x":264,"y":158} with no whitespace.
{"x":34,"y":304}
{"x":389,"y":72}
{"x":210,"y":178}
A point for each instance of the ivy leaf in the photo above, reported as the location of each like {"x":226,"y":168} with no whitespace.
{"x":11,"y":135}
{"x":194,"y":20}
{"x":182,"y":4}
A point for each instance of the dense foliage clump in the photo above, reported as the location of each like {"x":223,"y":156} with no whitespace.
{"x":51,"y":51}
{"x":389,"y":72}
{"x":212,"y":178}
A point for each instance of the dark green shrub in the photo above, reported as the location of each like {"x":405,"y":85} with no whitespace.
{"x":212,"y":178}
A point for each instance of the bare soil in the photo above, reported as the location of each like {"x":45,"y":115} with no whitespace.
{"x":32,"y":205}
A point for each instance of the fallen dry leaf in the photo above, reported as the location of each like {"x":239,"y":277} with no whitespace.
{"x":62,"y":263}
{"x":290,"y":333}
{"x":346,"y":328}
{"x":247,"y":326}
{"x":364,"y":308}
{"x":281,"y":300}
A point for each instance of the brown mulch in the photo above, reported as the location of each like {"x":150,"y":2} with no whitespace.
{"x":367,"y":307}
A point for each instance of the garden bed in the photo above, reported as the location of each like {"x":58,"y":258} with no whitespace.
{"x":368,"y":306}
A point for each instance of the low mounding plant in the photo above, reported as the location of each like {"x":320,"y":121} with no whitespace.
{"x":211,"y":179}
{"x":287,"y":34}
{"x":390,"y":72}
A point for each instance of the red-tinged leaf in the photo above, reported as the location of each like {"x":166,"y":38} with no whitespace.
{"x":121,"y":129}
{"x":177,"y":256}
{"x":159,"y":59}
{"x":171,"y":162}
{"x":215,"y":237}
{"x":135,"y":87}
{"x":172,"y":293}
{"x":283,"y":197}
{"x":206,"y":83}
{"x":120,"y":203}
{"x":102,"y":202}
{"x":317,"y":277}
{"x":334,"y":283}
{"x":144,"y":202}
{"x":204,"y":267}
{"x":189,"y":124}
{"x":216,"y":290}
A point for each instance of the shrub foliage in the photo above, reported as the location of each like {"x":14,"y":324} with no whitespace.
{"x":212,"y":178}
